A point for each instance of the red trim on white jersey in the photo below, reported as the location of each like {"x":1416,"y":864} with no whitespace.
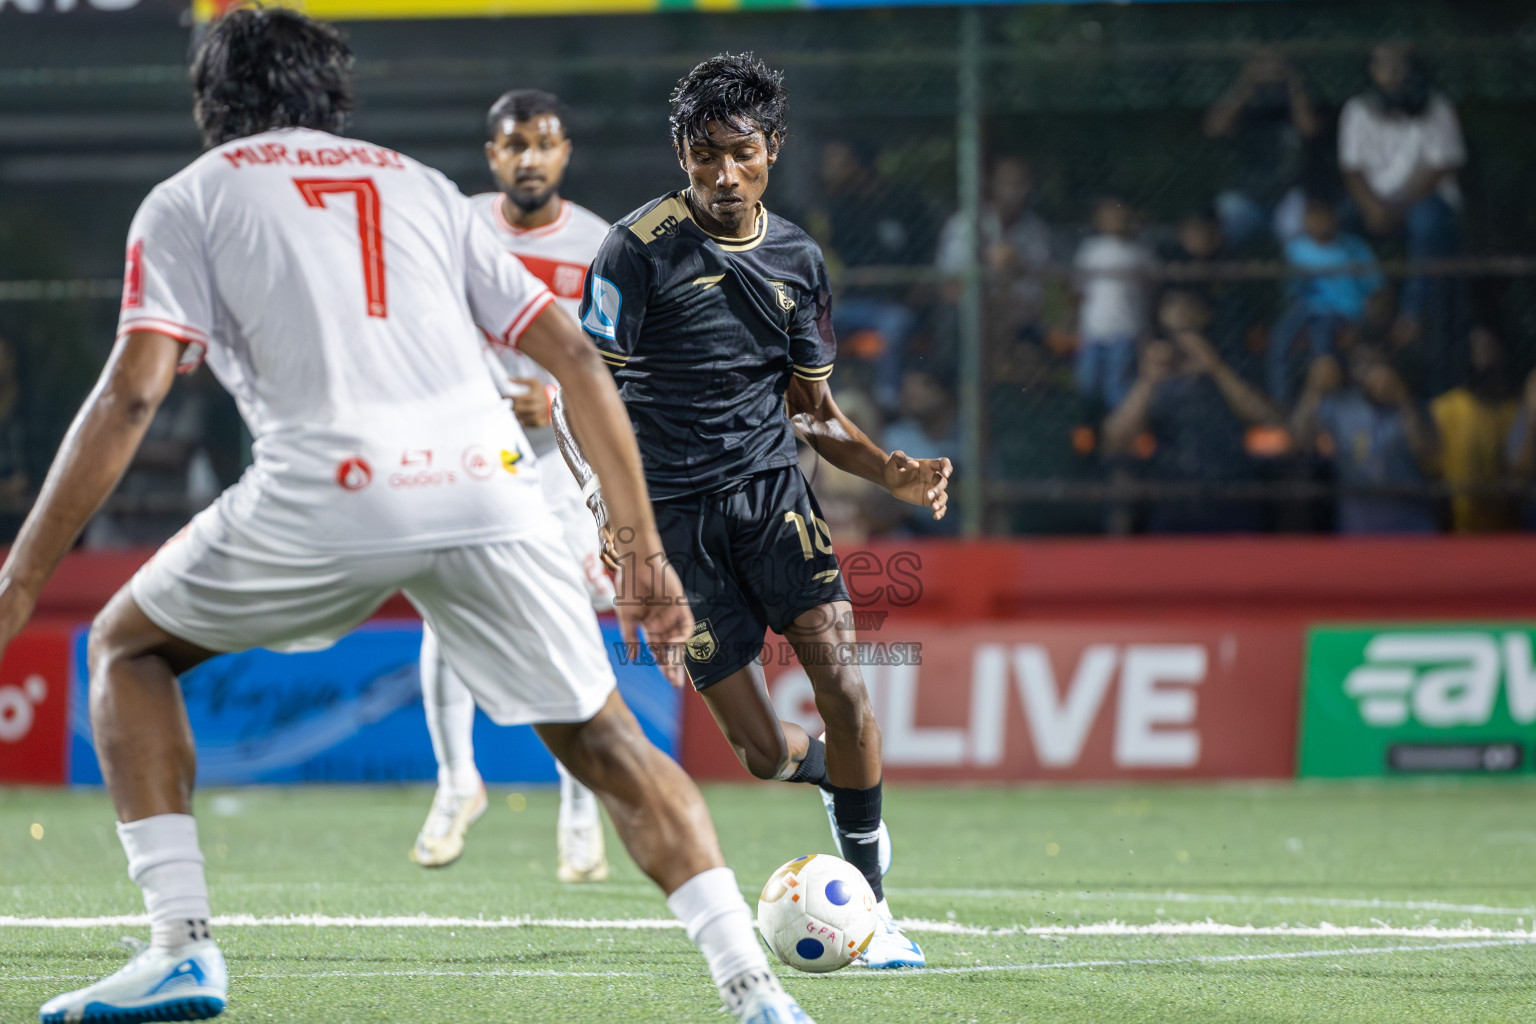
{"x":522,"y":320}
{"x":195,"y":339}
{"x":553,"y":226}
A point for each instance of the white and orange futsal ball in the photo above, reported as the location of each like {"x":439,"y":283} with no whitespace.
{"x":817,"y":913}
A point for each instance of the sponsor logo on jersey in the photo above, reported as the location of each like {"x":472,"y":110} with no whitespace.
{"x":422,"y":478}
{"x":417,"y":457}
{"x":702,"y":645}
{"x":478,"y":462}
{"x":601,"y":318}
{"x":354,"y":474}
{"x":667,"y":228}
{"x":510,"y":459}
{"x":568,"y":278}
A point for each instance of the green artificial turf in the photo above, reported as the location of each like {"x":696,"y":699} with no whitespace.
{"x":1443,"y":855}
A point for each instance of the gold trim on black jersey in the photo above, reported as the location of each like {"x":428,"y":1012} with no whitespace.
{"x":613,"y":358}
{"x":744,"y":244}
{"x":814,"y":373}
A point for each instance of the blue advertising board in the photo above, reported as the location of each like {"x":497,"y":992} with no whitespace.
{"x":351,"y":713}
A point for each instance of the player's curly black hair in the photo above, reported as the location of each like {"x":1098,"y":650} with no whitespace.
{"x":260,"y":69}
{"x":735,"y":89}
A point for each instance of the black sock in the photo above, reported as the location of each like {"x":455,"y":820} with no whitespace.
{"x":858,"y":825}
{"x":813,"y":767}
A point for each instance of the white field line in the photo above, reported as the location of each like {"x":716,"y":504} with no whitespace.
{"x":905,"y":972}
{"x":1198,"y":897}
{"x":916,"y":925}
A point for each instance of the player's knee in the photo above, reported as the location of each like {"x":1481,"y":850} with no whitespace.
{"x":765,"y":757}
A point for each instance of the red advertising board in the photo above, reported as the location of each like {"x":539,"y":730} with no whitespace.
{"x":1067,"y":701}
{"x":34,"y":707}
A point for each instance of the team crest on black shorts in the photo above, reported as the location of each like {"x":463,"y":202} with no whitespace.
{"x":702,"y":645}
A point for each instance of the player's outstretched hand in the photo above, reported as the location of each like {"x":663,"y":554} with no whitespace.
{"x":919,"y":481}
{"x":651,"y":598}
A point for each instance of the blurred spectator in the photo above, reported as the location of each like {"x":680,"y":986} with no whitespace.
{"x":1474,"y":422}
{"x":14,"y":483}
{"x":864,"y":221}
{"x":171,"y":477}
{"x":1323,"y":306}
{"x":1269,"y":116}
{"x":1520,"y":451}
{"x":928,"y":428}
{"x":1374,"y":434}
{"x":1187,"y":414}
{"x":1014,"y":247}
{"x":1400,"y":147}
{"x":1198,"y":251}
{"x":1032,"y":419}
{"x":1112,"y":271}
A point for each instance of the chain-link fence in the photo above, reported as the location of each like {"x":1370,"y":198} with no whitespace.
{"x":1195,"y":267}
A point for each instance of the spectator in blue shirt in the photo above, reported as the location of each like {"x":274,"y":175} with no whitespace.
{"x":1376,"y":435}
{"x":1323,"y":305}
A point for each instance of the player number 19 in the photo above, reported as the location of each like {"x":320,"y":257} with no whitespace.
{"x":822,"y":537}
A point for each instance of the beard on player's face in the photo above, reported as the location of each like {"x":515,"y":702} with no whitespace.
{"x":528,"y":198}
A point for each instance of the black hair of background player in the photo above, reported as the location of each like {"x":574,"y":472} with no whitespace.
{"x":259,"y":69}
{"x":734,"y":89}
{"x":520,"y":105}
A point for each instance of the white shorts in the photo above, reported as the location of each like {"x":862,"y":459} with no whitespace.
{"x":514,"y":616}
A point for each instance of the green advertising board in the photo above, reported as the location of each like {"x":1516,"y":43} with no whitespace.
{"x":1415,"y":699}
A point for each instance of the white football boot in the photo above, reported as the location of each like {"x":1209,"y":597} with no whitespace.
{"x":889,"y":948}
{"x":884,"y":835}
{"x":582,"y":857}
{"x":441,"y":839}
{"x":188,"y":982}
{"x":756,"y":997}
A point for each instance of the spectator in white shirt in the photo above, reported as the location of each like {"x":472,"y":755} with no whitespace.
{"x":1013,"y":248}
{"x":1400,"y":147}
{"x":1112,"y":271}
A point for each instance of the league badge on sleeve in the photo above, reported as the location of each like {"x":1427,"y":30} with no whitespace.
{"x":601,"y":319}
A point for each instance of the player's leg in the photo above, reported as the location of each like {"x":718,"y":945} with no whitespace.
{"x":580,"y":855}
{"x":544,"y":663}
{"x":214,"y":588}
{"x":460,"y":798}
{"x":852,"y":788}
{"x":799,"y":584}
{"x":144,"y":745}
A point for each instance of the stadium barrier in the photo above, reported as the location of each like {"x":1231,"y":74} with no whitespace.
{"x":988,"y":662}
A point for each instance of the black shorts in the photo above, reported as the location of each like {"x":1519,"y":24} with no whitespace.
{"x":753,"y":556}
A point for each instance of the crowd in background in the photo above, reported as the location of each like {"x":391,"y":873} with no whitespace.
{"x":1317,"y":393}
{"x":1288,"y":355}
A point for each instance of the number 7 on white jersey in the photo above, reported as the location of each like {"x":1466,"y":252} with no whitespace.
{"x":370,"y":229}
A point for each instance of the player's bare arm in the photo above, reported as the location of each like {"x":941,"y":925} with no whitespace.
{"x":834,"y":437}
{"x":602,"y":428}
{"x":97,"y":450}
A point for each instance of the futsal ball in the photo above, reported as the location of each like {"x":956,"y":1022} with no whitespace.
{"x":817,"y":913}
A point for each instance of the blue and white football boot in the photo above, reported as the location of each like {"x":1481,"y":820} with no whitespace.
{"x":189,"y":982}
{"x":889,"y":948}
{"x":756,"y":997}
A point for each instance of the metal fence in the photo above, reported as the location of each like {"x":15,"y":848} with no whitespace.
{"x":1263,"y":353}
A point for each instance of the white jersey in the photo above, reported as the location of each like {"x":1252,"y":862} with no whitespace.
{"x":338,"y":291}
{"x":558,"y":254}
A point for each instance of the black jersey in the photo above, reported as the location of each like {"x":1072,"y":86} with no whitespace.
{"x":702,"y":334}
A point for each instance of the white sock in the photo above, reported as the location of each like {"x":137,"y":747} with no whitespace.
{"x":578,"y":804}
{"x":717,"y":920}
{"x":450,"y":711}
{"x":164,"y":860}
